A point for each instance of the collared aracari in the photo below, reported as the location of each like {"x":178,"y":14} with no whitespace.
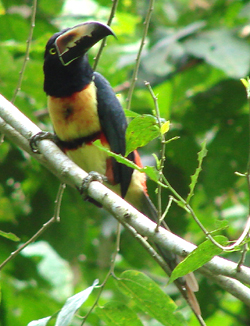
{"x":83,"y":108}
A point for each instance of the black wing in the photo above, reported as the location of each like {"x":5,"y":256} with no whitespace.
{"x":114,"y":124}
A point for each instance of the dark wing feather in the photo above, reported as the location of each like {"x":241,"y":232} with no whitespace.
{"x":114,"y":124}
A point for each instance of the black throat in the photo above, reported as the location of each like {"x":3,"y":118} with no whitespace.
{"x":63,"y":81}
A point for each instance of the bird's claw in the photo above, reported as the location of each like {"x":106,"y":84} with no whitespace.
{"x":92,"y":176}
{"x":38,"y":137}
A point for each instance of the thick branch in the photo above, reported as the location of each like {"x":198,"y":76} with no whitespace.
{"x":18,"y":128}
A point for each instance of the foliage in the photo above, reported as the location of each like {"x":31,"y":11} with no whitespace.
{"x":195,"y":54}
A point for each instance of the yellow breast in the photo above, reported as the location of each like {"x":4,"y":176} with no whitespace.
{"x":75,"y":116}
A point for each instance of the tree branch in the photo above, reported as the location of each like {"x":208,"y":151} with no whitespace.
{"x":18,"y":128}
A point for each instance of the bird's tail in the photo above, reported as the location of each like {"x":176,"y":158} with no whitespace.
{"x":188,"y":284}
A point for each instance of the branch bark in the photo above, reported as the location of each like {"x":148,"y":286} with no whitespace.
{"x":19,"y":129}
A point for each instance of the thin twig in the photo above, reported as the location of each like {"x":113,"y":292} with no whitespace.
{"x":45,"y":226}
{"x":152,"y":252}
{"x":138,"y":57}
{"x":245,"y":248}
{"x":243,"y":256}
{"x":117,"y":250}
{"x":35,"y":236}
{"x":101,"y":287}
{"x":103,"y":43}
{"x":162,"y":154}
{"x":26,"y":57}
{"x":58,"y":201}
{"x":189,"y":209}
{"x":248,"y":163}
{"x":167,"y":208}
{"x":110,"y":273}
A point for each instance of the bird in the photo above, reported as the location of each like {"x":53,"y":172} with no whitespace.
{"x":83,"y":108}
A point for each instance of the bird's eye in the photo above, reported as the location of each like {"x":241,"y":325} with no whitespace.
{"x":52,"y":51}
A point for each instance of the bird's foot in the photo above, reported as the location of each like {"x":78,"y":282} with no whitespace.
{"x":92,"y":176}
{"x":42,"y":135}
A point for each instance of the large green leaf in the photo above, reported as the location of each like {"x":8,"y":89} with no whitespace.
{"x":118,"y":314}
{"x":150,"y":298}
{"x":72,"y":304}
{"x":66,"y":314}
{"x":197,"y":258}
{"x":140,"y":132}
{"x":41,"y":322}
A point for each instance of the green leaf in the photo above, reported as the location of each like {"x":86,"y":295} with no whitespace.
{"x":66,"y":314}
{"x":158,"y":162}
{"x":150,"y":298}
{"x":140,"y":132}
{"x":245,"y":82}
{"x":194,"y":177}
{"x":9,"y":235}
{"x":131,"y":114}
{"x":117,"y":314}
{"x":165,"y":127}
{"x":220,"y":226}
{"x":197,"y":258}
{"x":150,"y":171}
{"x":119,"y":158}
{"x":40,"y":322}
{"x":72,"y":305}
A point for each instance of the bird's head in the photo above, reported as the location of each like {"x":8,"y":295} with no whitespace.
{"x":72,"y":43}
{"x":66,"y":67}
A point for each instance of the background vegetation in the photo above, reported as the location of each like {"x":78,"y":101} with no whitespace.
{"x":196,"y":51}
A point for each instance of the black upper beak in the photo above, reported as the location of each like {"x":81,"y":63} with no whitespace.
{"x":77,"y":40}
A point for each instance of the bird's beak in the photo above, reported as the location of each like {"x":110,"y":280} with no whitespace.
{"x":76,"y":41}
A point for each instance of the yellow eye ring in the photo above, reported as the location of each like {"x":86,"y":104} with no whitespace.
{"x":52,"y":51}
